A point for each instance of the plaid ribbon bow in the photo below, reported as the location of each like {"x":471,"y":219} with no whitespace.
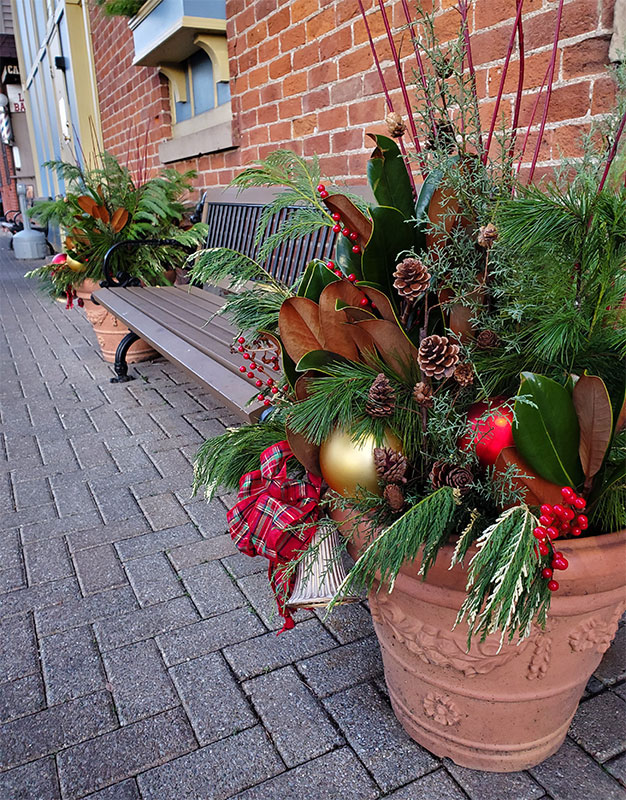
{"x":262,"y":520}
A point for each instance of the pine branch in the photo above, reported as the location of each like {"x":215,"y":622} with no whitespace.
{"x":254,"y":310}
{"x":217,"y":264}
{"x":301,"y":222}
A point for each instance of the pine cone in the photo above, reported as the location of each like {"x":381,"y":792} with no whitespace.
{"x":486,"y":340}
{"x":394,"y":496}
{"x":395,"y":125}
{"x":487,"y":235}
{"x":437,"y":357}
{"x":443,"y":474}
{"x":390,"y":465}
{"x":423,"y":394}
{"x":381,"y":400}
{"x":464,"y":374}
{"x":411,"y":279}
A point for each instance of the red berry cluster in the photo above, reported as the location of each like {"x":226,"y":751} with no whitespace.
{"x":352,"y":235}
{"x":266,"y":385}
{"x":559,"y":520}
{"x":365,"y":301}
{"x":70,"y":295}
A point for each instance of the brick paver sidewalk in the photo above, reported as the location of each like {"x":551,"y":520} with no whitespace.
{"x":137,"y":648}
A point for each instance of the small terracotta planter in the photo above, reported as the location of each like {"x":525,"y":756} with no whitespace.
{"x":490,"y":709}
{"x":109,"y":330}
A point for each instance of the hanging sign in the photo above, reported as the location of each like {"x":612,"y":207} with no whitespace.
{"x":16,"y":99}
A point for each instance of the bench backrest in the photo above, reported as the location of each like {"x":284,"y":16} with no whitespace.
{"x":234,"y":225}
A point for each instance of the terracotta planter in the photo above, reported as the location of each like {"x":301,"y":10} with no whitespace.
{"x":493,"y":710}
{"x":109,"y":330}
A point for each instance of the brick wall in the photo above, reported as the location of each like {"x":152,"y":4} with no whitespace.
{"x":8,"y":186}
{"x":302,"y":76}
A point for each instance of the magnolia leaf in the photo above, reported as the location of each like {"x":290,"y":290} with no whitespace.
{"x":308,"y":454}
{"x":299,"y":327}
{"x":301,"y":386}
{"x":392,"y":344}
{"x":345,"y":259}
{"x":388,"y":176}
{"x":86,"y":203}
{"x":442,"y":211}
{"x":315,"y":278}
{"x":595,"y":417}
{"x":119,"y":219}
{"x":319,"y":361}
{"x":391,"y":235}
{"x":355,"y":313}
{"x":546,"y":430}
{"x":380,"y":300}
{"x":333,"y":323}
{"x":620,"y":424}
{"x":426,"y":192}
{"x":351,"y":217}
{"x":537,"y":489}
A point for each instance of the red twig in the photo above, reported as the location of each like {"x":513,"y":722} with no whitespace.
{"x":532,"y":119}
{"x":520,"y":83}
{"x":505,"y":69}
{"x":555,"y":45}
{"x":612,"y":152}
{"x":463,"y":8}
{"x":420,"y":68}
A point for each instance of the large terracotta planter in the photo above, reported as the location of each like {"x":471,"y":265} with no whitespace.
{"x":495,"y":709}
{"x":109,"y":330}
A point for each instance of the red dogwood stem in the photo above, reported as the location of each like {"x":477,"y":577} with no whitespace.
{"x":505,"y":69}
{"x":612,"y":152}
{"x":420,"y":67}
{"x":555,"y":45}
{"x":520,"y":85}
{"x":532,"y":119}
{"x":470,"y":62}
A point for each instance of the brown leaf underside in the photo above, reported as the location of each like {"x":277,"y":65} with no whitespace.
{"x":595,"y":417}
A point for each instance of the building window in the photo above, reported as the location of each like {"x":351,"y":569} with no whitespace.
{"x":202,"y":91}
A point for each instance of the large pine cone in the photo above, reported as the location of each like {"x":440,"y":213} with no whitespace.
{"x":395,"y":125}
{"x":444,"y":474}
{"x":412,"y":279}
{"x":394,"y":495}
{"x":438,"y":357}
{"x":423,"y":394}
{"x":390,"y":465}
{"x":381,"y":400}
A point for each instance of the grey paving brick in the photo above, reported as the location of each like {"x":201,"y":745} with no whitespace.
{"x":347,"y":623}
{"x":126,"y":790}
{"x":209,"y":635}
{"x":18,"y":649}
{"x":157,"y":541}
{"x":10,"y":549}
{"x":114,"y":503}
{"x":209,"y":517}
{"x":599,"y":726}
{"x":91,"y":452}
{"x":11,"y":579}
{"x":211,"y":589}
{"x":82,"y":611}
{"x":436,"y":785}
{"x":240,"y":565}
{"x":37,"y":531}
{"x":270,"y":651}
{"x":617,"y":768}
{"x":47,"y":560}
{"x":115,"y":532}
{"x":620,"y":690}
{"x":71,"y":497}
{"x":29,"y":493}
{"x":203,"y":421}
{"x":25,"y":516}
{"x":299,"y":736}
{"x":71,"y":665}
{"x":156,"y":486}
{"x":214,"y":703}
{"x":140,"y":684}
{"x":377,"y":737}
{"x":249,"y":758}
{"x":612,"y":668}
{"x":34,"y":781}
{"x":259,"y":593}
{"x":123,"y":753}
{"x":36,"y":735}
{"x":144,"y":623}
{"x":494,"y":786}
{"x":153,"y":579}
{"x":99,"y":568}
{"x":334,"y":775}
{"x":342,"y":667}
{"x":170,"y":421}
{"x":21,"y":696}
{"x":163,"y":511}
{"x":205,"y":550}
{"x":57,"y":451}
{"x":171,"y":463}
{"x":137,"y":421}
{"x":571,"y":774}
{"x":134,"y":459}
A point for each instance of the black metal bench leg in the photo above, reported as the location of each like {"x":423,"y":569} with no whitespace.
{"x":120,"y":366}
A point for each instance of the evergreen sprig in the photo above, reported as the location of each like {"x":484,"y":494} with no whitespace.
{"x":505,"y":589}
{"x":256,"y":309}
{"x":217,"y":264}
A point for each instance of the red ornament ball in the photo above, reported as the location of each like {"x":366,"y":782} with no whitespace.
{"x":250,"y":374}
{"x":490,"y":435}
{"x":258,"y":383}
{"x":242,"y":369}
{"x":330,"y":264}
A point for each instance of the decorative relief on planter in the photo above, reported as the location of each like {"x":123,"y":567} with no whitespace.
{"x":96,"y":314}
{"x":441,"y":708}
{"x":540,"y":660}
{"x":439,"y":647}
{"x":595,"y":633}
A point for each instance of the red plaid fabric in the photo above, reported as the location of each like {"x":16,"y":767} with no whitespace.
{"x":269,"y":505}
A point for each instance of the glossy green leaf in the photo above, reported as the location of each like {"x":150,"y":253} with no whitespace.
{"x":316,"y":277}
{"x":319,"y":361}
{"x":426,"y":192}
{"x":547,"y":433}
{"x":347,"y":261}
{"x":388,"y":176}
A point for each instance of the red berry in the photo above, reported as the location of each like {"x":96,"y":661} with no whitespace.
{"x":546,"y":573}
{"x":270,"y":381}
{"x":576,"y":531}
{"x":545,"y":520}
{"x":582,"y":522}
{"x":260,"y":397}
{"x":346,"y":232}
{"x":330,"y":264}
{"x":241,"y":340}
{"x":559,"y":511}
{"x":261,"y":368}
{"x":338,"y":273}
{"x":579,"y":503}
{"x":275,"y":367}
{"x":374,"y":305}
{"x":546,"y":510}
{"x":564,"y":527}
{"x":274,"y":389}
{"x":356,"y":249}
{"x":354,"y":236}
{"x":321,"y":187}
{"x":240,"y":348}
{"x":553,"y":586}
{"x":252,"y":365}
{"x":246,"y":356}
{"x":323,"y":195}
{"x":543,"y":548}
{"x":336,"y":228}
{"x":364,"y":301}
{"x":568,"y":514}
{"x":336,"y":216}
{"x":242,"y":369}
{"x":80,"y":302}
{"x":352,"y":277}
{"x":539,"y":533}
{"x":567,"y":493}
{"x":258,"y":382}
{"x":268,"y":402}
{"x":552,"y":532}
{"x":251,"y":374}
{"x":560,"y":563}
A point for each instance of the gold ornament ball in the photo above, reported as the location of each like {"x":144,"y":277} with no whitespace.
{"x":346,"y":464}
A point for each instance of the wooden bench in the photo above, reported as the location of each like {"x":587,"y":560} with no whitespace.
{"x":180,"y":322}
